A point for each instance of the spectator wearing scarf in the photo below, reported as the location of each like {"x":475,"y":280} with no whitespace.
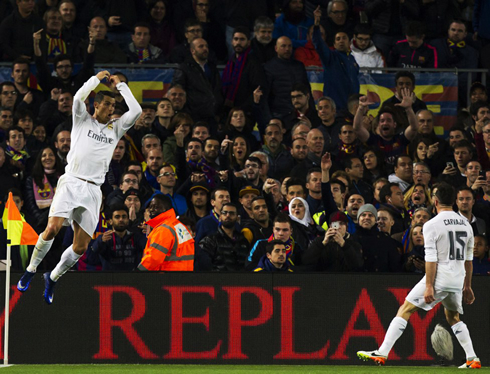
{"x":304,"y":230}
{"x":242,"y":73}
{"x":40,"y":186}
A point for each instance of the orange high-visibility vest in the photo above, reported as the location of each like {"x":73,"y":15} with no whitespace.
{"x":170,"y":245}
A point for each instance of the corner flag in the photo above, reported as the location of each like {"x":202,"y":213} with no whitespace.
{"x":18,"y":230}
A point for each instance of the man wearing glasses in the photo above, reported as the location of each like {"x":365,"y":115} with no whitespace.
{"x":167,"y":181}
{"x":8,"y":95}
{"x":192,"y":30}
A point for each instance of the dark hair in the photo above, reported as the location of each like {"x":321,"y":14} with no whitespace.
{"x":99,"y":96}
{"x":21,"y":113}
{"x":7,"y":83}
{"x":229,"y":126}
{"x":141,"y":24}
{"x":62,"y":57}
{"x":269,"y":247}
{"x":201,"y":124}
{"x":230,"y":150}
{"x":301,"y":87}
{"x":385,"y":209}
{"x":165,"y":200}
{"x":349,"y":160}
{"x":295,"y":182}
{"x":15,"y":128}
{"x":388,"y":110}
{"x":445,"y":194}
{"x":211,"y":138}
{"x":229,"y":204}
{"x":405,"y":74}
{"x":482,"y":237}
{"x":254,"y":159}
{"x":283,"y":218}
{"x":414,"y":144}
{"x":242,"y":30}
{"x":21,"y":61}
{"x":118,"y":206}
{"x":398,"y":157}
{"x":196,"y":140}
{"x":133,"y":163}
{"x":464,"y":144}
{"x":38,"y":169}
{"x":126,"y":172}
{"x":311,"y":171}
{"x":415,"y":28}
{"x":465,"y":188}
{"x":343,"y":187}
{"x":386,"y":191}
{"x":213,"y":192}
{"x":475,"y":107}
{"x":191,"y":22}
{"x":260,"y":197}
{"x":364,"y":29}
{"x":15,"y":192}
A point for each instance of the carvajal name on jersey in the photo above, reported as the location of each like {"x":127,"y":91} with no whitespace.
{"x":454,"y":222}
{"x":100,"y":138}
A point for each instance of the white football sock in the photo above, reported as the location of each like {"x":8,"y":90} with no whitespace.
{"x":42,"y":247}
{"x":463,"y":335}
{"x":397,"y":326}
{"x":68,"y":259}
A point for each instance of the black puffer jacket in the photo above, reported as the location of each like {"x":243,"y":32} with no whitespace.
{"x":218,"y":252}
{"x":380,"y":13}
{"x":204,"y":97}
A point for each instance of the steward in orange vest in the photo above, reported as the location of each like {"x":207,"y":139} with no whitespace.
{"x":170,"y":245}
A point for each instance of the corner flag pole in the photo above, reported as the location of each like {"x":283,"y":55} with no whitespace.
{"x":7,"y":308}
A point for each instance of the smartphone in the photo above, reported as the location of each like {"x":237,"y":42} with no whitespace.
{"x":336,"y":225}
{"x":450,"y":164}
{"x":482,"y":175}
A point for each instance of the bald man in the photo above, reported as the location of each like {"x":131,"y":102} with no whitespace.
{"x":315,"y":143}
{"x":201,"y":81}
{"x":282,"y":73}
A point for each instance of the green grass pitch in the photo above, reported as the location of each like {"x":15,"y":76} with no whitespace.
{"x":225,"y":369}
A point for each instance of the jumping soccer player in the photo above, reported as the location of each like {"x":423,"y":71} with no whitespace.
{"x":449,"y":266}
{"x":78,"y":196}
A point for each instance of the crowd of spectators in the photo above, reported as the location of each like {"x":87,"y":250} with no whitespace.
{"x":264,"y":177}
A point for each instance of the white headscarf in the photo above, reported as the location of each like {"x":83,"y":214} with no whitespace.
{"x":307,"y":217}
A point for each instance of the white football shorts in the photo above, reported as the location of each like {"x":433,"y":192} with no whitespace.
{"x":77,"y":200}
{"x":452,"y":301}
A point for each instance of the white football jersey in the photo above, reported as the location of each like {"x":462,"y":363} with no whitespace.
{"x":449,"y":241}
{"x":93,"y":143}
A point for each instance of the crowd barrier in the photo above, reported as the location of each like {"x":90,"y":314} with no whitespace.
{"x":238,"y":318}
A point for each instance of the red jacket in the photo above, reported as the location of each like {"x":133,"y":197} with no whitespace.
{"x":308,"y":55}
{"x":170,"y":245}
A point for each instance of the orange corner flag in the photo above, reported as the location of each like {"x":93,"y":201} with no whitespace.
{"x":18,"y":230}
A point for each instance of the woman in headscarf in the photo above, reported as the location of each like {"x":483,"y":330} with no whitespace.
{"x":304,"y":229}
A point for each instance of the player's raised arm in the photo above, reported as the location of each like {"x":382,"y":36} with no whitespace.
{"x":130,"y":117}
{"x":79,"y":99}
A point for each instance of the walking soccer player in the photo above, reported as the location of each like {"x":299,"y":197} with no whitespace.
{"x":448,"y":265}
{"x":78,"y":196}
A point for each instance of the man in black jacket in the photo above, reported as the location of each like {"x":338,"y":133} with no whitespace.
{"x":225,"y":250}
{"x":282,"y":72}
{"x":202,"y":83}
{"x":380,"y":251}
{"x":243,"y":73}
{"x":336,"y":251}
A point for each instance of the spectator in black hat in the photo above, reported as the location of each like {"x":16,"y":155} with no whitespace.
{"x":198,"y":202}
{"x":336,"y":251}
{"x":380,"y":251}
{"x":132,"y":199}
